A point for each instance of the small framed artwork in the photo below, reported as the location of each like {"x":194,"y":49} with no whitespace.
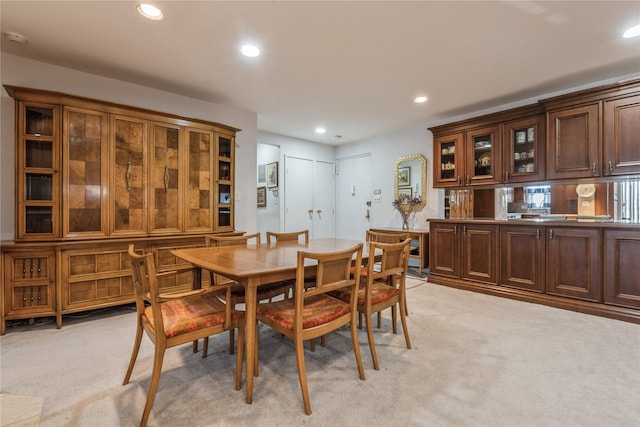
{"x":262,"y":173}
{"x":272,"y":174}
{"x":404,"y":176}
{"x":262,"y":197}
{"x":405,"y":192}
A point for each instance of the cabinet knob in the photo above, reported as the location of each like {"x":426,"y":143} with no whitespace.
{"x":593,"y":168}
{"x":610,"y":166}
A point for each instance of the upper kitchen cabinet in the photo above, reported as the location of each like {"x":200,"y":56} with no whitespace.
{"x":448,"y":155}
{"x":594,"y":132}
{"x":622,"y":135}
{"x":524,"y":149}
{"x":481,"y":151}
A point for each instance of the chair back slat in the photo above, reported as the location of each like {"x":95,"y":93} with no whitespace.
{"x":387,"y":236}
{"x":301,"y":236}
{"x":332,"y":272}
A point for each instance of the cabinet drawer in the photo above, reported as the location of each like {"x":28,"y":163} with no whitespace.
{"x":33,"y":298}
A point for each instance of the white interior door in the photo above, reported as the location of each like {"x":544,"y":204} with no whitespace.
{"x":353,"y":192}
{"x":323,"y":200}
{"x":298,"y":195}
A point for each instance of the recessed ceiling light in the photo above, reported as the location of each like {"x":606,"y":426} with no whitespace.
{"x":149,"y":11}
{"x":250,"y":50}
{"x":420,"y":99}
{"x":632,"y":32}
{"x":320,"y":130}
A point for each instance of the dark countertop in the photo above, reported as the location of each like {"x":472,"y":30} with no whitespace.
{"x":545,"y":222}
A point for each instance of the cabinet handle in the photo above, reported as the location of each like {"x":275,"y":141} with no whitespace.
{"x":459,"y":180}
{"x":464,"y":229}
{"x":610,"y":166}
{"x":455,"y":229}
{"x":537,"y":233}
{"x":166,"y":177}
{"x":593,"y":168}
{"x":129,"y":176}
{"x":506,"y":176}
{"x":551,"y":234}
{"x":468,"y":179}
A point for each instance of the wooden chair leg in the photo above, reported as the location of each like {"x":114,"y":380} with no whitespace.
{"x":302,"y":374}
{"x":239,"y":355}
{"x":256,"y":354}
{"x":205,"y":347}
{"x":403,"y":319}
{"x":372,"y":344}
{"x":134,"y":353}
{"x":394,"y":318}
{"x":153,"y":387}
{"x":379,"y":319}
{"x":356,"y":348}
{"x":313,"y":344}
{"x":231,"y":340}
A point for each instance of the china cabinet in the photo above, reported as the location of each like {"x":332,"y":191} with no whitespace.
{"x":94,"y":176}
{"x":481,"y":151}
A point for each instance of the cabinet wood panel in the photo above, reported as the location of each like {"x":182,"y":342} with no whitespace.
{"x":573,"y":268}
{"x":200,"y":181}
{"x":480,"y":252}
{"x":85,"y":153}
{"x":622,"y":136}
{"x":128,"y":185}
{"x":522,"y":251}
{"x":444,"y":250}
{"x":573,"y":136}
{"x":622,"y":281}
{"x":166,"y":183}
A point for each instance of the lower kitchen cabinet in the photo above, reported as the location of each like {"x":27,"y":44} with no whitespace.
{"x":573,"y":268}
{"x":480,"y":252}
{"x":585,"y":267}
{"x":522,"y":257}
{"x":463,"y":250}
{"x":621,"y":264}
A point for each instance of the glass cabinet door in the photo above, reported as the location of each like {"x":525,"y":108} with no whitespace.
{"x":85,"y":174}
{"x":484,"y":161}
{"x":199,"y":183}
{"x":224,"y":182}
{"x":38,"y":171}
{"x":448,"y":163}
{"x":524,"y":157}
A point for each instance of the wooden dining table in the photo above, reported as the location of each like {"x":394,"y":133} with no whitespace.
{"x":253,"y":266}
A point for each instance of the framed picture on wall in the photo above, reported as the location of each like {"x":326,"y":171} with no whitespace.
{"x":404,"y":177}
{"x":405,"y":192}
{"x":262,"y":197}
{"x":262,"y":174}
{"x":272,"y":174}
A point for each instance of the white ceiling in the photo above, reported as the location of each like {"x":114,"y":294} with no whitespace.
{"x":353,"y":67}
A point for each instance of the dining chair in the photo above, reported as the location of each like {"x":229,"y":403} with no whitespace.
{"x":290,"y":236}
{"x":173,"y":319}
{"x":266,"y":292}
{"x":312,"y":312}
{"x":383,"y":237}
{"x":383,"y":289}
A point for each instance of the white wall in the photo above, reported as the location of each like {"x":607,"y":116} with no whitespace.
{"x":385,"y":150}
{"x":18,"y":71}
{"x":269,"y":216}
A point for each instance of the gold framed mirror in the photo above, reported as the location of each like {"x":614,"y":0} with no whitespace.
{"x":410,"y":178}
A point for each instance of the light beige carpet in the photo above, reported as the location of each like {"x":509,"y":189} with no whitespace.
{"x":477,"y":360}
